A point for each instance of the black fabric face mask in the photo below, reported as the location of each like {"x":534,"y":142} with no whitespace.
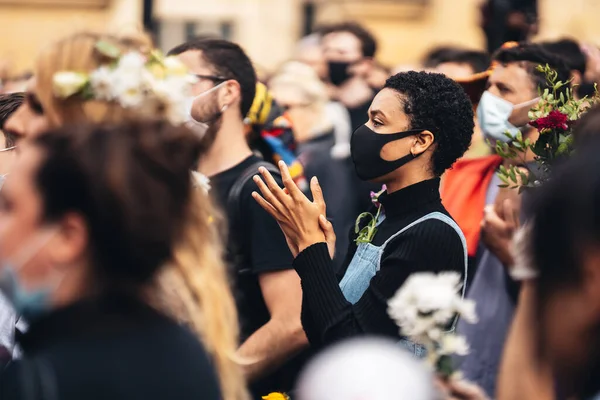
{"x":366,"y":145}
{"x":338,"y":72}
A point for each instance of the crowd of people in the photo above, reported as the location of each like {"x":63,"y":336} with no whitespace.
{"x":175,"y":227}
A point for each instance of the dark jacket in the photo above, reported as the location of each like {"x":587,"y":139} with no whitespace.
{"x":111,"y":349}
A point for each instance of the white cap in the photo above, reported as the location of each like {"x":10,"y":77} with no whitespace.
{"x":366,"y":369}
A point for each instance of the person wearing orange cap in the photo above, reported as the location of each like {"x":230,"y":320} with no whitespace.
{"x":471,"y":195}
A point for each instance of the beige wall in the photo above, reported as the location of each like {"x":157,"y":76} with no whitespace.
{"x":268,"y":29}
{"x":405,"y":33}
{"x":24,"y":30}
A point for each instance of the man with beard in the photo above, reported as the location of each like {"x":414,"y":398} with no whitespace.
{"x":267,"y":288}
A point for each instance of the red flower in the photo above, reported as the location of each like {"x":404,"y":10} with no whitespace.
{"x":554,"y":120}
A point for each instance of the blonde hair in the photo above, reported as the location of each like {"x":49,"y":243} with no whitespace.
{"x":194,"y":289}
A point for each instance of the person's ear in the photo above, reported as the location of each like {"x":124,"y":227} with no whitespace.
{"x":70,"y":241}
{"x":423,"y":141}
{"x":231,"y":93}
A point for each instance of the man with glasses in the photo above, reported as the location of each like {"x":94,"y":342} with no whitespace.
{"x":8,"y":319}
{"x":267,"y":289}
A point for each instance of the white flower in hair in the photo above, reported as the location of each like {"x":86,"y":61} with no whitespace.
{"x":66,"y":83}
{"x":102,"y":81}
{"x":201,"y":181}
{"x":149,"y":83}
{"x":132,"y":62}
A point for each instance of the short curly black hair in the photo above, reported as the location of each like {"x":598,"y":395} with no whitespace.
{"x":436,"y":103}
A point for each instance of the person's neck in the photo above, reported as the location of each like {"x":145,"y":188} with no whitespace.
{"x":228,"y":150}
{"x":406,"y":180}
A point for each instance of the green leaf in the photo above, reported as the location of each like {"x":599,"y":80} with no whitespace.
{"x":108,"y":49}
{"x":359,"y":220}
{"x":512,"y":174}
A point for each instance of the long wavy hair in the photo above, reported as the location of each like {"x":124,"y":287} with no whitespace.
{"x":194,"y":288}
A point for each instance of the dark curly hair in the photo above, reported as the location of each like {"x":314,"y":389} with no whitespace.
{"x":440,"y":105}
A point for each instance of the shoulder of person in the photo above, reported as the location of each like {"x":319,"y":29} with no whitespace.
{"x":433,"y":232}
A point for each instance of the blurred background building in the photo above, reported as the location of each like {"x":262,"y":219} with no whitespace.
{"x":269,"y":29}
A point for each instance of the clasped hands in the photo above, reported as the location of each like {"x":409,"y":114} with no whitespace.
{"x":302,"y":221}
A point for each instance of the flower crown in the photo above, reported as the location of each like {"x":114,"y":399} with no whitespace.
{"x":149,"y":82}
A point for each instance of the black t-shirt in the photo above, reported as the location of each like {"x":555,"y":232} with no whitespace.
{"x":260,"y":242}
{"x":262,"y":248}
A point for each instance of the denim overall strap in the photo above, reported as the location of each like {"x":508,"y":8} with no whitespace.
{"x":449,"y":221}
{"x":367,"y":260}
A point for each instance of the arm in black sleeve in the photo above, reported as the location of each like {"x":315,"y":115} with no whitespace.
{"x":430,"y":246}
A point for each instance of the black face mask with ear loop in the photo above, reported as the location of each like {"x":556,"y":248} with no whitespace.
{"x":365,"y":147}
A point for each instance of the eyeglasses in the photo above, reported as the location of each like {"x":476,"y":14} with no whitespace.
{"x":8,"y":149}
{"x":214,"y":78}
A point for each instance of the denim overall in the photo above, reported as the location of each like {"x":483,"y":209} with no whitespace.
{"x":366,"y":261}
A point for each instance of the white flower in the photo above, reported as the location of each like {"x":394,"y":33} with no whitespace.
{"x":131,"y":97}
{"x":103,"y":81}
{"x":201,"y":181}
{"x":131,"y":62}
{"x":67,"y":83}
{"x":174,"y":67}
{"x":425,"y":306}
{"x":453,"y":344}
{"x":466,"y":309}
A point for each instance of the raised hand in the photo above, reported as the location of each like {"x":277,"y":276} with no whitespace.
{"x":297,"y":216}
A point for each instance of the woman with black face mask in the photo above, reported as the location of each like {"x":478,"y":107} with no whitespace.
{"x":419,"y":124}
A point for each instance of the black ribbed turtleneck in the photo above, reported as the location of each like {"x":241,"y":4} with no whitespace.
{"x":430,"y":246}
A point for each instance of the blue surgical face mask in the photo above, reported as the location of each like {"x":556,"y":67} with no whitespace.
{"x":493,"y":114}
{"x":28,"y":303}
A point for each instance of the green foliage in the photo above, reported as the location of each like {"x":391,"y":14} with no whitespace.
{"x":554,"y":142}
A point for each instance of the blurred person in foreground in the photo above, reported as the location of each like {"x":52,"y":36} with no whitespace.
{"x":79,"y":260}
{"x":369,"y":368}
{"x":553,"y":348}
{"x":299,"y":91}
{"x":419,"y":125}
{"x":15,"y":84}
{"x":267,"y":289}
{"x":470,"y":192}
{"x":8,"y":318}
{"x":470,"y":68}
{"x":194,"y":288}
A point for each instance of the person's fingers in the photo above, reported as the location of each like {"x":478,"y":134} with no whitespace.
{"x":317,"y":193}
{"x":273,"y":186}
{"x":267,"y":206}
{"x":511,"y":214}
{"x":492,"y":222}
{"x":466,"y":390}
{"x":267,"y":194}
{"x":327,"y":227}
{"x":290,"y":186}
